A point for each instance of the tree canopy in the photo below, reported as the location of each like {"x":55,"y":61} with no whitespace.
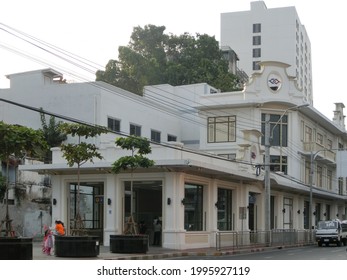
{"x":51,"y":133}
{"x":153,"y":57}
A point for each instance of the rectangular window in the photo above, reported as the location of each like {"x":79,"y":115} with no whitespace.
{"x":257,"y":52}
{"x":278,"y":164}
{"x":171,"y":138}
{"x":340,"y":185}
{"x":113,"y":124}
{"x":330,"y":180}
{"x":278,"y":130}
{"x":221,"y":129}
{"x":155,"y":136}
{"x":256,"y":65}
{"x":256,"y":40}
{"x":320,"y":139}
{"x":329,"y":144}
{"x":319,"y":176}
{"x":224,"y":208}
{"x":135,"y":130}
{"x":308,"y":134}
{"x":256,"y":27}
{"x":193,"y":207}
{"x":91,"y":205}
{"x":307,"y":172}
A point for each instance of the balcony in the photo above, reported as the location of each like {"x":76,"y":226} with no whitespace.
{"x":324,"y":154}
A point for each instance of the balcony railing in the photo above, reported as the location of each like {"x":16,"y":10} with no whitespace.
{"x":278,"y":237}
{"x":324,"y":153}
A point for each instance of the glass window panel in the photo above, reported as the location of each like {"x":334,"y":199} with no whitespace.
{"x":193,"y":207}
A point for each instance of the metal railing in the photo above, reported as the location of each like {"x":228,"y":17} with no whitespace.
{"x":278,"y":237}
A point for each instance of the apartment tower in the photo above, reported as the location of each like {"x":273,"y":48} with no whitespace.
{"x":275,"y":34}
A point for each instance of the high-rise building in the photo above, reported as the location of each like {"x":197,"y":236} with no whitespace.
{"x":275,"y":34}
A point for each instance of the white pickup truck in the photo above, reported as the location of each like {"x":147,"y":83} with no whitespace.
{"x":331,"y":232}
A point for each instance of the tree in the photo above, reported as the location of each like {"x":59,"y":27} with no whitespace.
{"x":139,"y":147}
{"x":2,"y":187}
{"x":78,"y":154}
{"x":153,"y":57}
{"x":16,"y":143}
{"x":51,"y":132}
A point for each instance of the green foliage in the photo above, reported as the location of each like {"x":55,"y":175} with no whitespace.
{"x":153,"y":57}
{"x":139,"y":147}
{"x":134,"y":143}
{"x":81,"y":130}
{"x":2,"y":187}
{"x":54,"y":137}
{"x":81,"y":152}
{"x":21,"y":141}
{"x":18,"y":142}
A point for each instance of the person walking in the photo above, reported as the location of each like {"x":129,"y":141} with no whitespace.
{"x":157,"y":232}
{"x":47,"y":242}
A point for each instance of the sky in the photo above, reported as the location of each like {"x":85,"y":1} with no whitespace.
{"x":93,"y":31}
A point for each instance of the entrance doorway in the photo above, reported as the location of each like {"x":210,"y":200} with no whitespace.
{"x":252,"y":211}
{"x":146,"y":197}
{"x":91,"y":196}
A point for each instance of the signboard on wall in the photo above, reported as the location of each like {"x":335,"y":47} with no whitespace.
{"x":99,"y":199}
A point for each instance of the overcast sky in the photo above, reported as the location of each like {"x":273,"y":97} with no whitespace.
{"x":94,"y":30}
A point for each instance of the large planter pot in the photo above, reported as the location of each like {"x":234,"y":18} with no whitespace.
{"x":76,"y":246}
{"x":129,"y":243}
{"x":16,"y":248}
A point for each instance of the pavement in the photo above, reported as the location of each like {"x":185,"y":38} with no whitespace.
{"x":154,"y":253}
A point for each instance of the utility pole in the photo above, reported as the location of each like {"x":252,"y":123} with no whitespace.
{"x":267,"y":216}
{"x":268,"y":138}
{"x":311,"y":196}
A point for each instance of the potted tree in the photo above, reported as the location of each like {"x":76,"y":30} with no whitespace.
{"x":78,"y":244}
{"x":131,"y":241}
{"x":16,"y":142}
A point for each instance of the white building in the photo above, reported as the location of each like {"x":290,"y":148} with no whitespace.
{"x":276,"y":34}
{"x":209,"y":156}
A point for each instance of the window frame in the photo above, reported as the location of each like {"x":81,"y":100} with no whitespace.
{"x":115,"y":123}
{"x":215,"y":124}
{"x":155,"y":136}
{"x":256,"y":27}
{"x":257,"y":40}
{"x":193,"y":207}
{"x":256,"y":52}
{"x":171,"y":138}
{"x":135,"y":129}
{"x":278,"y":129}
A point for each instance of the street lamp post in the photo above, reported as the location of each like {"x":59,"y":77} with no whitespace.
{"x":267,"y":183}
{"x":312,"y":158}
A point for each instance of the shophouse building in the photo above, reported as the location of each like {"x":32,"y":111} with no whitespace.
{"x":209,"y":153}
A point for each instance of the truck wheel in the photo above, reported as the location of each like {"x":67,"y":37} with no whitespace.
{"x":320,"y":244}
{"x":344,"y":242}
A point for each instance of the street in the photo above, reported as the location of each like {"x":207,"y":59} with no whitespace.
{"x":297,"y":253}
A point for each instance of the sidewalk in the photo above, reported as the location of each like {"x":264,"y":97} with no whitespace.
{"x":152,"y":254}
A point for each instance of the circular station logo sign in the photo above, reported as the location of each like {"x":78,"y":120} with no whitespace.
{"x":274,"y":82}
